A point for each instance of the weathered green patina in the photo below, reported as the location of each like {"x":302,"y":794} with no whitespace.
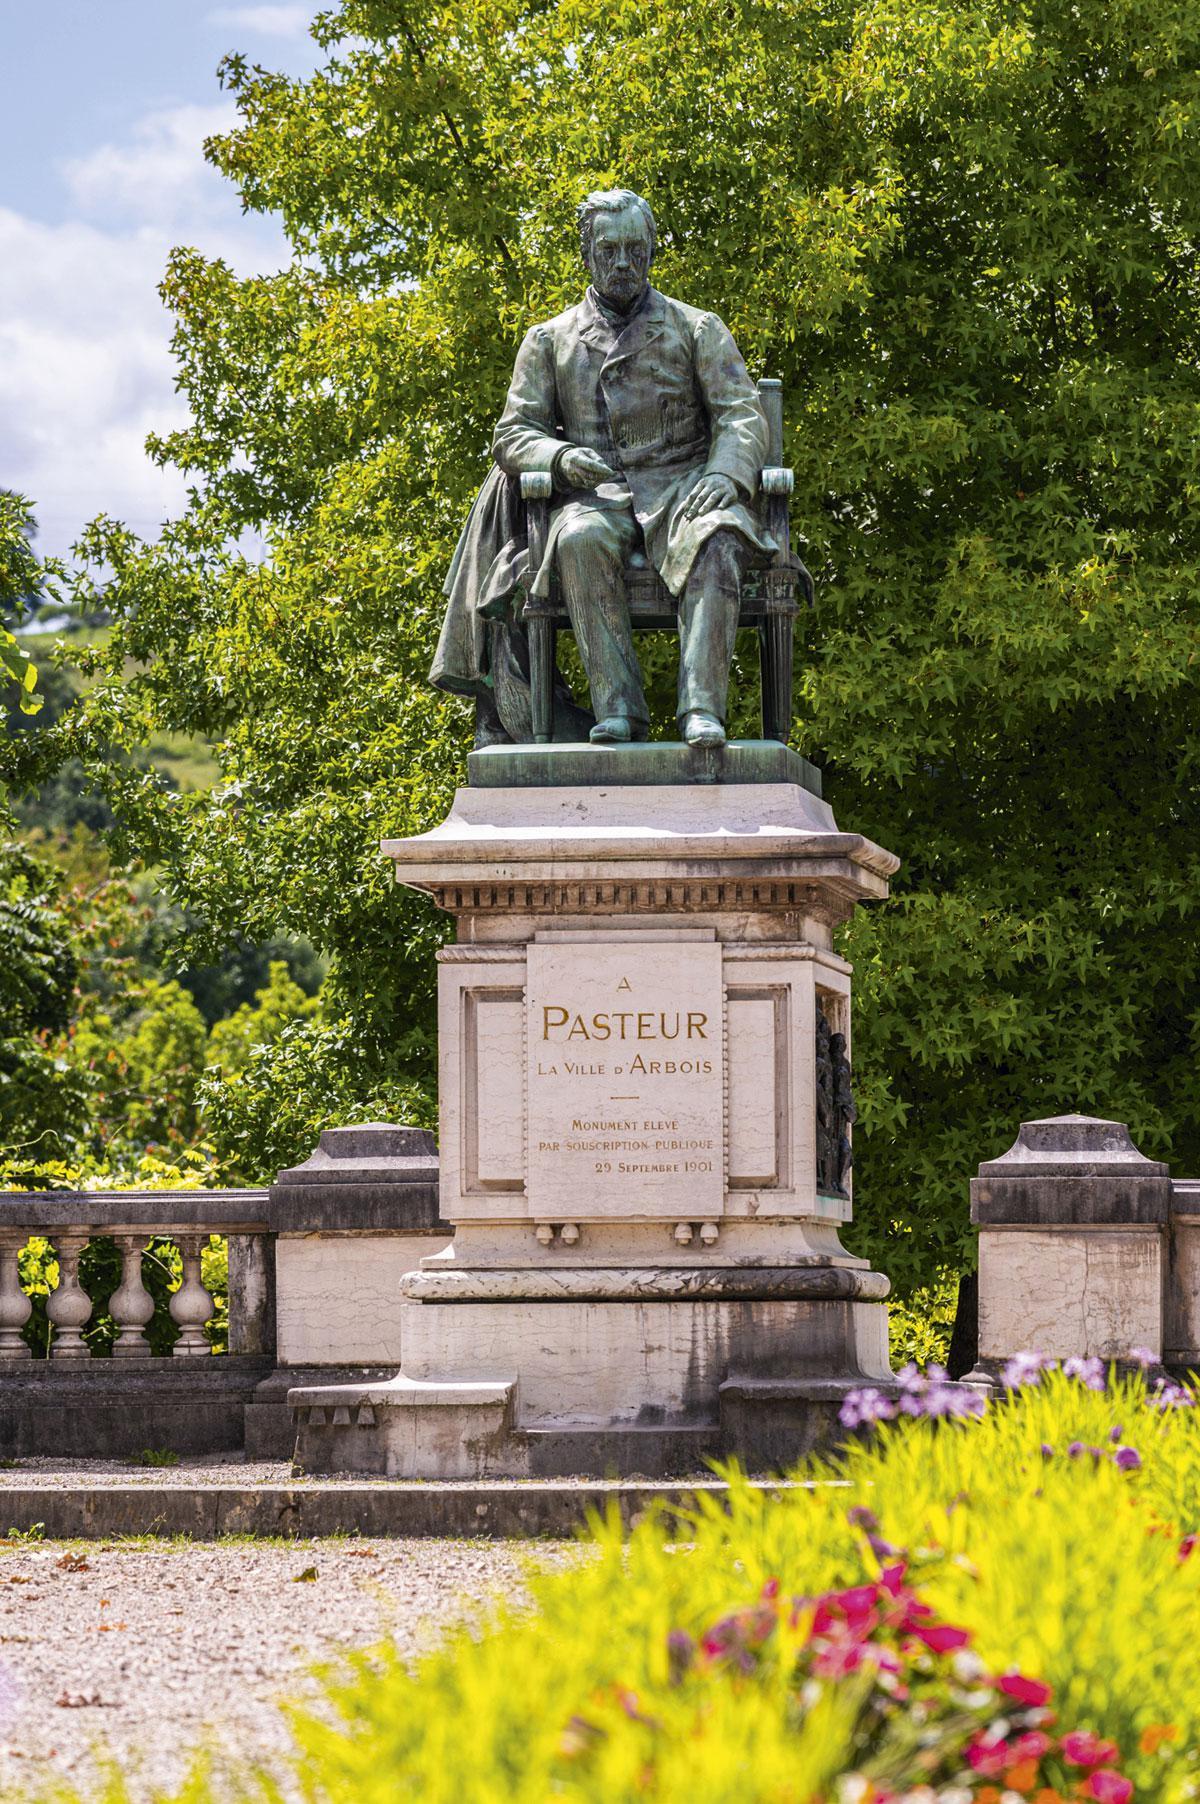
{"x":639,"y":412}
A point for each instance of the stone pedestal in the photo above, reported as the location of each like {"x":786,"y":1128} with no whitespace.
{"x":1073,"y":1225}
{"x":646,"y":1265}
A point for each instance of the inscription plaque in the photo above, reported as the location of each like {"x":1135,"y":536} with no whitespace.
{"x":624,"y":1088}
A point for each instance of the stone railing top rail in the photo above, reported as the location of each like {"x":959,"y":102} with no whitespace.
{"x":102,"y":1211}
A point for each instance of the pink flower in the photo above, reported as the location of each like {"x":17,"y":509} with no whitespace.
{"x":1082,"y":1748}
{"x":1031,"y":1746}
{"x":940,"y":1638}
{"x":1186,"y":1546}
{"x":1022,"y":1690}
{"x":891,"y":1579}
{"x":1108,"y":1787}
{"x":987,"y":1757}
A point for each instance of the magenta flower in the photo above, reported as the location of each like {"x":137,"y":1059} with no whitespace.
{"x":1108,"y":1787}
{"x":1015,"y":1685}
{"x":940,"y":1638}
{"x":987,"y":1757}
{"x":1082,"y":1748}
{"x":1128,"y":1459}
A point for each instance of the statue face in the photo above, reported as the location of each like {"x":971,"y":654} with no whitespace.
{"x":620,"y":257}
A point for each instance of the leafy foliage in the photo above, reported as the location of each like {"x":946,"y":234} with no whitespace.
{"x":965,"y":237}
{"x":20,"y":578}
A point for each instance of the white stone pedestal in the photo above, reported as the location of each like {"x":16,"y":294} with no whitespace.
{"x":644,"y":1268}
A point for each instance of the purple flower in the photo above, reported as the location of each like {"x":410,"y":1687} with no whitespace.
{"x":861,"y":1517}
{"x":863,"y":1407}
{"x":1171,"y":1396}
{"x":1047,"y":1450}
{"x":1142,"y":1356}
{"x":1114,"y":1434}
{"x":1023,"y":1368}
{"x":1075,"y":1449}
{"x":1088,"y":1371}
{"x":1128,"y":1459}
{"x":910,"y":1378}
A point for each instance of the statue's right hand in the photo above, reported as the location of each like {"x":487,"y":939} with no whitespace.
{"x":583,"y":469}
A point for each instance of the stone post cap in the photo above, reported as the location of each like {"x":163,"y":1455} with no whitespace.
{"x":378,"y":1151}
{"x":1071,"y":1169}
{"x":376,"y":1176}
{"x":1072,"y":1146}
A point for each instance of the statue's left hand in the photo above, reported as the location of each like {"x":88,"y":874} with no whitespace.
{"x":709,"y":494}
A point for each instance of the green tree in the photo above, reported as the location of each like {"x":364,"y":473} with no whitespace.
{"x":260,"y":1023}
{"x":20,"y":581}
{"x":965,"y":234}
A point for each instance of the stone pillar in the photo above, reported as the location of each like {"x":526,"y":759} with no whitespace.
{"x":644,"y":1124}
{"x":68,"y":1304}
{"x":131,"y":1305}
{"x":1073,"y":1224}
{"x":191,"y":1306}
{"x":15,"y":1306}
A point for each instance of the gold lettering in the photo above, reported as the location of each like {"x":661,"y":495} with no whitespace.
{"x":547,"y":1024}
{"x":696,"y":1025}
{"x":645,"y":1031}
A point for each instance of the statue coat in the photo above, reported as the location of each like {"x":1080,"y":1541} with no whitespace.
{"x":664,"y":399}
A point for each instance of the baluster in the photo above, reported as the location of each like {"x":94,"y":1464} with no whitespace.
{"x":15,"y":1306}
{"x":69,"y":1306}
{"x":191,"y":1306}
{"x":131,"y":1304}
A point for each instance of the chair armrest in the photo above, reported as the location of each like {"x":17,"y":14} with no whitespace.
{"x":776,"y":485}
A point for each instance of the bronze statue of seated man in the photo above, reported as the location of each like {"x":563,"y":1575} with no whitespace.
{"x":642,"y":412}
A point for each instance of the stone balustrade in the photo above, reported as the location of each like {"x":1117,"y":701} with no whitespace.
{"x":315,"y":1264}
{"x":70,"y":1220}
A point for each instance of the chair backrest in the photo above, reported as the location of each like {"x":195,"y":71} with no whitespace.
{"x":770,"y":393}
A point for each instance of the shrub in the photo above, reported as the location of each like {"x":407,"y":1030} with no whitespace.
{"x":1001,"y":1605}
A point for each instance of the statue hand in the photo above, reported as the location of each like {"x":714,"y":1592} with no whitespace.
{"x":709,"y":494}
{"x":583,"y":469}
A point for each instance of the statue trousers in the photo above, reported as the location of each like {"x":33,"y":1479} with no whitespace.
{"x":592,"y":550}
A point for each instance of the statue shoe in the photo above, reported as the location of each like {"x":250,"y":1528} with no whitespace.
{"x":700,"y":728}
{"x":613,"y":731}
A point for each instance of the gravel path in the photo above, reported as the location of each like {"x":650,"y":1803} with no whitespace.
{"x":71,"y":1474}
{"x":146,"y":1650}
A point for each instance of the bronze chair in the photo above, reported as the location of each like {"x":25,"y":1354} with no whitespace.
{"x":768,"y":589}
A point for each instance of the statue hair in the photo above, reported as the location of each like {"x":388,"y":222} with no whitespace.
{"x":611,"y":200}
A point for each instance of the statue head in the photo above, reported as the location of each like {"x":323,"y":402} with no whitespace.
{"x":617,"y":237}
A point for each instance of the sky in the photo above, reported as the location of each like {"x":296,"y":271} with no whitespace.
{"x":106,"y":106}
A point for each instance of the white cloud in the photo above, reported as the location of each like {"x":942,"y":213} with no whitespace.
{"x":158,"y":175}
{"x":86,"y":369}
{"x":268,"y":21}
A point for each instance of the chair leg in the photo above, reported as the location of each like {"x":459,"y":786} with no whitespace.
{"x":541,"y":677}
{"x":775,"y":655}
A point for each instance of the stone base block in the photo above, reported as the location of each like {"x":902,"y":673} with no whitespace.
{"x":100,"y":1408}
{"x":534,"y":1387}
{"x":400,"y":1430}
{"x":1083,"y":1291}
{"x":269,"y":1432}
